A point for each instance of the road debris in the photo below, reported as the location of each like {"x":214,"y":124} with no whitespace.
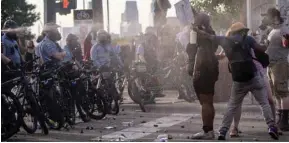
{"x":127,"y":124}
{"x":156,"y":125}
{"x":110,"y":127}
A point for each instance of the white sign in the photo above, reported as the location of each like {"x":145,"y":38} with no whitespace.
{"x":184,"y":12}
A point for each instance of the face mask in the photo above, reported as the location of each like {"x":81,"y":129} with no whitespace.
{"x":13,"y":36}
{"x":54,"y":36}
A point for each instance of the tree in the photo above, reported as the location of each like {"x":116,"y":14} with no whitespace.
{"x":19,"y":11}
{"x":222,"y":12}
{"x":22,"y":13}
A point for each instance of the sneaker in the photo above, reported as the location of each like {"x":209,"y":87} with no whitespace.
{"x":222,"y":135}
{"x":235,"y":133}
{"x":273,"y":132}
{"x":202,"y":135}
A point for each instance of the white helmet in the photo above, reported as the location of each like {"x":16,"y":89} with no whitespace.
{"x":102,"y":35}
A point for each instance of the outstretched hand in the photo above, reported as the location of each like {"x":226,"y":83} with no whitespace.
{"x":202,"y":33}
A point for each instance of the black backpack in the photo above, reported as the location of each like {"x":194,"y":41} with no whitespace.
{"x":262,"y":57}
{"x":241,"y":63}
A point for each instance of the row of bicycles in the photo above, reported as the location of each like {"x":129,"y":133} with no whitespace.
{"x":52,"y":96}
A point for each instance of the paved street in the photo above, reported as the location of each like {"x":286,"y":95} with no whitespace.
{"x":169,"y":115}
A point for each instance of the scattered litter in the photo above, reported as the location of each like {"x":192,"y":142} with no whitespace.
{"x":143,"y":132}
{"x":91,"y":128}
{"x":253,"y":126}
{"x":127,"y":124}
{"x":113,"y":118}
{"x":138,"y":110}
{"x":81,"y":131}
{"x":255,"y":139}
{"x":165,"y":131}
{"x":182,"y":126}
{"x":110,"y":127}
{"x":170,"y":137}
{"x":188,"y":137}
{"x":87,"y":128}
{"x":163,"y":138}
{"x":122,"y":109}
{"x":104,"y":118}
{"x":156,"y":125}
{"x":143,"y":121}
{"x":98,"y":139}
{"x":120,"y":138}
{"x":140,"y":116}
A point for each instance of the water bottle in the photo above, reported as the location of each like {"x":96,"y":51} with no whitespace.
{"x":193,"y":37}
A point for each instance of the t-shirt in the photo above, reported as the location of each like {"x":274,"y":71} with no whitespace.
{"x":47,"y":49}
{"x":275,"y":50}
{"x":11,"y":49}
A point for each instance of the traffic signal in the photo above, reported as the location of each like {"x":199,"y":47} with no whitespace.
{"x":65,"y":6}
{"x":69,"y":4}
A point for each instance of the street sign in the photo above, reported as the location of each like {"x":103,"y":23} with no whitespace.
{"x":83,"y":14}
{"x":184,"y":12}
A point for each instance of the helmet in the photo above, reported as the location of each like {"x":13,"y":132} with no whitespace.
{"x":10,"y":24}
{"x":102,"y":35}
{"x":71,"y":37}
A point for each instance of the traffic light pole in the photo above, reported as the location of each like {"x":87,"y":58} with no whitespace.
{"x":49,"y":11}
{"x":108,"y":22}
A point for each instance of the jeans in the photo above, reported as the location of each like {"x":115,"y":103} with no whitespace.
{"x":239,"y":90}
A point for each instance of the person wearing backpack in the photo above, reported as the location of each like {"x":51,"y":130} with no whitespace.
{"x":246,"y":78}
{"x":278,"y":70}
{"x":261,"y":61}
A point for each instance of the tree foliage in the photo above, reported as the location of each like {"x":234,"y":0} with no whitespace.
{"x":222,"y":12}
{"x":21,"y":12}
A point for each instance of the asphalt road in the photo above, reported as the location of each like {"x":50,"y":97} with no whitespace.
{"x":169,"y":116}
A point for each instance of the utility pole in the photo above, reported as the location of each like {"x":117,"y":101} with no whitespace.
{"x":249,"y":13}
{"x":108,"y":22}
{"x":97,"y":13}
{"x":83,"y":4}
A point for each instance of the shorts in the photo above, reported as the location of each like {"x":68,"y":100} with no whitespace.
{"x":278,"y":74}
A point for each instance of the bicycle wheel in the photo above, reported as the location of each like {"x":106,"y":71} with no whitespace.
{"x":11,"y":115}
{"x":29,"y":122}
{"x":96,"y":107}
{"x":54,"y":114}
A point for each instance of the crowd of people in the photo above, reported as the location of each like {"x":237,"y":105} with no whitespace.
{"x":260,"y":67}
{"x":249,"y":63}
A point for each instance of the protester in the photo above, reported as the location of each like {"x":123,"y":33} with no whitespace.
{"x":88,"y":43}
{"x":235,"y":129}
{"x":203,"y":66}
{"x":246,"y":77}
{"x":48,"y":48}
{"x":30,"y":55}
{"x":147,"y":52}
{"x":160,"y":8}
{"x":278,"y":70}
{"x":9,"y":40}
